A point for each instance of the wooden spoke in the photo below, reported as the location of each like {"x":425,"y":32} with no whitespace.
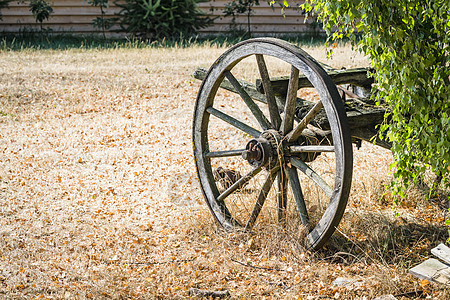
{"x":261,"y":198}
{"x":268,"y":91}
{"x":312,"y":148}
{"x":227,"y":153}
{"x":295,"y":133}
{"x":232,"y":121}
{"x":238,"y":184}
{"x":298,"y":194}
{"x":291,"y":101}
{"x":254,"y":108}
{"x":311,"y":174}
{"x":282,"y":197}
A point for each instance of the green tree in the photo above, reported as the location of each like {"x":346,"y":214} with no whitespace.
{"x":101,"y":22}
{"x":41,"y":10}
{"x":408,"y":43}
{"x":157,"y":19}
{"x":239,"y":7}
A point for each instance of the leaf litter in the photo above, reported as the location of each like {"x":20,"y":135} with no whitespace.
{"x":99,"y":196}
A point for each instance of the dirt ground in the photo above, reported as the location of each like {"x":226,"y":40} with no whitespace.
{"x":99,"y":195}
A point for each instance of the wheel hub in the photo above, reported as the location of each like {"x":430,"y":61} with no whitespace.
{"x":264,"y":150}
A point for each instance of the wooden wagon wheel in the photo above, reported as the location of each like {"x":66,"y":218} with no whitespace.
{"x":242,"y":148}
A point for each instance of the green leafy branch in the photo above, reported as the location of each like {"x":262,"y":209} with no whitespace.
{"x":408,"y":44}
{"x":102,"y":22}
{"x":41,"y":10}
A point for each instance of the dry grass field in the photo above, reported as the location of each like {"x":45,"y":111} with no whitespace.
{"x":99,"y":195}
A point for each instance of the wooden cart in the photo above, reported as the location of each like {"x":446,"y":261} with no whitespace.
{"x":280,"y":138}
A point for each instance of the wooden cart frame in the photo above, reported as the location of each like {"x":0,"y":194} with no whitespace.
{"x":291,"y":134}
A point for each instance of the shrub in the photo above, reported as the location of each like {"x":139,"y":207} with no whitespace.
{"x":101,"y":22}
{"x":240,"y":7}
{"x":408,"y":43}
{"x":158,"y":19}
{"x":41,"y":10}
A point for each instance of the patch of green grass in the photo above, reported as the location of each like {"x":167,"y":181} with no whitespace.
{"x":44,"y":41}
{"x":36,"y":41}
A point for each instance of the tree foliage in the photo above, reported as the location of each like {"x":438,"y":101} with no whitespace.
{"x":408,"y":44}
{"x":157,"y":19}
{"x":240,"y":7}
{"x":41,"y":10}
{"x":102,"y":22}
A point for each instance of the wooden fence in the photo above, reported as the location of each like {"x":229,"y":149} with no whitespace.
{"x":76,"y":16}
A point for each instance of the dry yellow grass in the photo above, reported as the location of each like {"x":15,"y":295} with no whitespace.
{"x":99,"y":196}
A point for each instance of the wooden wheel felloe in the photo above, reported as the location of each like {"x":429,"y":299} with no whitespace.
{"x":255,"y":159}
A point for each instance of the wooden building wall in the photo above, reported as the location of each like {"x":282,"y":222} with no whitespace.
{"x":264,"y":21}
{"x":76,"y":16}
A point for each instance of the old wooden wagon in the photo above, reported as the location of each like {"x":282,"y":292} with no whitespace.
{"x":280,"y":139}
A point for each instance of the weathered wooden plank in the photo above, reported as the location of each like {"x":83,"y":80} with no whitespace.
{"x":266,"y":29}
{"x":358,"y":76}
{"x":54,"y":19}
{"x":247,"y":86}
{"x":61,"y":10}
{"x":362,"y":119}
{"x":311,"y":149}
{"x":58,"y":3}
{"x":219,"y":5}
{"x":68,"y":16}
{"x":432,"y":270}
{"x":370,"y":133}
{"x":85,"y":29}
{"x":263,"y":20}
{"x":442,"y":252}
